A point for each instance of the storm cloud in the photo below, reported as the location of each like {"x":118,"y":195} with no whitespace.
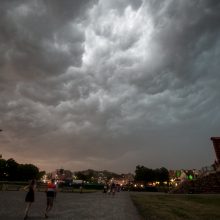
{"x":110,"y":84}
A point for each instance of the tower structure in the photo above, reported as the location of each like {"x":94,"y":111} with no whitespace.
{"x":216,"y":144}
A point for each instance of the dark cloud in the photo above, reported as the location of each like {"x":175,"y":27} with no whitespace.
{"x":43,"y":36}
{"x":109,"y":84}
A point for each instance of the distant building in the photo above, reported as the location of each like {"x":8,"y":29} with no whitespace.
{"x":206,"y":170}
{"x":62,"y":175}
{"x":178,"y":176}
{"x":124,"y":179}
{"x":216,"y":144}
{"x":78,"y":181}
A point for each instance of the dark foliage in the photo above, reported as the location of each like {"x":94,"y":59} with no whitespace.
{"x":10,"y":170}
{"x":149,"y":175}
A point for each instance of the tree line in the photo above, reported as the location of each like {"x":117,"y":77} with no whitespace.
{"x":142,"y":174}
{"x":92,"y":175}
{"x":148,"y":175}
{"x":10,"y":170}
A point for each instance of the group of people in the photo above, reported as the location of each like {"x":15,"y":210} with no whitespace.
{"x":110,"y":188}
{"x":30,"y":196}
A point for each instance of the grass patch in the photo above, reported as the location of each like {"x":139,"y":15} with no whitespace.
{"x":169,"y":206}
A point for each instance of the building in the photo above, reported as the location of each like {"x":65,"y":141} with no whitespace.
{"x":216,"y":144}
{"x":124,"y":179}
{"x":61,"y":175}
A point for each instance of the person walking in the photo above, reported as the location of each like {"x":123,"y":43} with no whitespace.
{"x":113,"y":188}
{"x":105,"y":188}
{"x":51,"y":194}
{"x":29,"y":198}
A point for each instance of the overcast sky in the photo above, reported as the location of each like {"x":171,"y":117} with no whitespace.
{"x":109,"y":84}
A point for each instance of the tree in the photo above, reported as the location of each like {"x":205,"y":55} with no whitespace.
{"x":140,"y":173}
{"x":11,"y":169}
{"x":3,"y":174}
{"x":27,"y":172}
{"x":164,"y":174}
{"x":81,"y":176}
{"x":149,"y":175}
{"x":90,"y":175}
{"x":41,"y":174}
{"x":144,"y":174}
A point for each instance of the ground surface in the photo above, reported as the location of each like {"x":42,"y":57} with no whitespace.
{"x":70,"y":206}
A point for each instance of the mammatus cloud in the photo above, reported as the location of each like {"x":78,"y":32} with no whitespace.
{"x":109,"y":84}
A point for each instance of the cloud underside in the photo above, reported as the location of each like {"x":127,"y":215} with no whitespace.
{"x":109,"y":84}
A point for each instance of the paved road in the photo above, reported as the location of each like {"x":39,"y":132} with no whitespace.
{"x":70,"y":206}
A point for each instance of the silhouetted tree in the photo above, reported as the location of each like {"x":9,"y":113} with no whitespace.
{"x":140,"y":173}
{"x":11,"y":169}
{"x":81,"y":176}
{"x":149,"y":175}
{"x":144,"y":174}
{"x":41,"y":174}
{"x":164,"y":175}
{"x":27,"y":172}
{"x":3,"y":174}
